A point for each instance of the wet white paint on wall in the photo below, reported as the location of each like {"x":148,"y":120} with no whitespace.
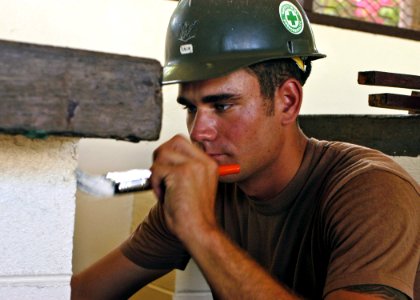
{"x":37,"y":208}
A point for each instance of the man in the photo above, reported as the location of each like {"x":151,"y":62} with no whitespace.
{"x":303,"y":218}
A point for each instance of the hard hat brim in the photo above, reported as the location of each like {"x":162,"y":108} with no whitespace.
{"x":197,"y":70}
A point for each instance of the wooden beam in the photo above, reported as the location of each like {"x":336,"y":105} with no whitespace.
{"x":347,"y":23}
{"x":395,"y":101}
{"x":59,"y":91}
{"x":397,"y":135}
{"x":389,"y":79}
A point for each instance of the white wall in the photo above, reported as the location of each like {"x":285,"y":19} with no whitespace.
{"x":37,"y":209}
{"x":333,"y":87}
{"x":137,"y":27}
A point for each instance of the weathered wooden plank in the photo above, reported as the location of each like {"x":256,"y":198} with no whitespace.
{"x":389,"y":79}
{"x":391,"y":134}
{"x":59,"y":91}
{"x":395,"y":101}
{"x":414,"y":111}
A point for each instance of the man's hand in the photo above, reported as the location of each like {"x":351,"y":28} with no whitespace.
{"x":185,"y":179}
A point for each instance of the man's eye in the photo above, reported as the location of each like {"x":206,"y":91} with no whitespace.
{"x":222,"y":107}
{"x":190,"y":108}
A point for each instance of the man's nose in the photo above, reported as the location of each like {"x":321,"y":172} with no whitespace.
{"x":202,"y":126}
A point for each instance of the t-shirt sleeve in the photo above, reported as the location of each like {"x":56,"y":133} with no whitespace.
{"x":153,"y":246}
{"x":372,"y":228}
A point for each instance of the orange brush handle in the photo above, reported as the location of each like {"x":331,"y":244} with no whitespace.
{"x":229,"y":169}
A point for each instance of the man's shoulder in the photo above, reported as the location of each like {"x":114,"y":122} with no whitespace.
{"x":350,"y":160}
{"x":350,"y":150}
{"x":346,"y":163}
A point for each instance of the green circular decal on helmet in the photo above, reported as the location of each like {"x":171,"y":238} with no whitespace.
{"x":291,"y":17}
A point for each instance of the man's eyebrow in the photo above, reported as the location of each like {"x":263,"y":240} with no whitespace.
{"x":218,"y":98}
{"x":208,"y":99}
{"x":182,"y":100}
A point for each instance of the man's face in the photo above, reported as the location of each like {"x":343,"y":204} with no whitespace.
{"x":227,"y":117}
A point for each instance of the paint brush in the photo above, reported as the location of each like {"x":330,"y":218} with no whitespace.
{"x":114,"y":183}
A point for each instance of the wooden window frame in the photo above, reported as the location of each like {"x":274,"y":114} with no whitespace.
{"x":341,"y":22}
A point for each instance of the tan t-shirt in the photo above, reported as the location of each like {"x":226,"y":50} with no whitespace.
{"x":350,"y":216}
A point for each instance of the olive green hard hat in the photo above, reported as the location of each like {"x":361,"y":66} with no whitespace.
{"x":211,"y":38}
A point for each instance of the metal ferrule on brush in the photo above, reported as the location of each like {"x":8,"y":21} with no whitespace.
{"x":130,"y":181}
{"x":132,"y":186}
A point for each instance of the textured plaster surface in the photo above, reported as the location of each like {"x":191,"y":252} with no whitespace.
{"x":37,"y":207}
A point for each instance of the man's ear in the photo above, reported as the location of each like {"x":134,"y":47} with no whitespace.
{"x":289,"y":100}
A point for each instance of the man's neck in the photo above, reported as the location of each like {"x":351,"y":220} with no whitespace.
{"x":269,"y":182}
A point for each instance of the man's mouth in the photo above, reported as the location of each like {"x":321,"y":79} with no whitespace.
{"x":220,"y":158}
{"x":219,"y":155}
{"x":216,"y":155}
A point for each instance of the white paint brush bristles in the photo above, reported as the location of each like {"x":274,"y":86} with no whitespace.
{"x":94,"y":185}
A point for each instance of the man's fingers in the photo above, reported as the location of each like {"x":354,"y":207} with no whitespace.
{"x":180,"y":144}
{"x":178,"y":163}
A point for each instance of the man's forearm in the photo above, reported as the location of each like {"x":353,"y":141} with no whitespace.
{"x":231,"y":273}
{"x":112,"y":277}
